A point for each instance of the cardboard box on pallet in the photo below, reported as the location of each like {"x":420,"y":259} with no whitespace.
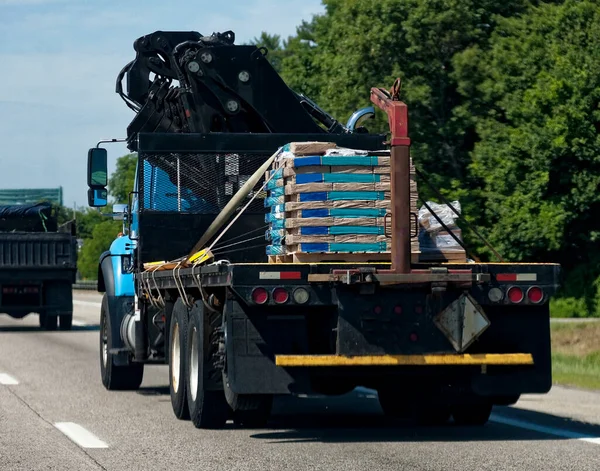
{"x":334,"y":204}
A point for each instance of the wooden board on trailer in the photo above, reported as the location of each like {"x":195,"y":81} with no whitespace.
{"x":311,"y":147}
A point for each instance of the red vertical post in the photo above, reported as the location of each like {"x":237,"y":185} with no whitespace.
{"x":397,"y":113}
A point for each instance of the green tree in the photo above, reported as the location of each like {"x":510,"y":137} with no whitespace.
{"x":534,"y":97}
{"x":120,"y":183}
{"x":359,"y":44}
{"x":102,"y":236}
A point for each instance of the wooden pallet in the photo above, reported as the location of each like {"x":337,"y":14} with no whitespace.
{"x":416,"y":257}
{"x":300,"y":257}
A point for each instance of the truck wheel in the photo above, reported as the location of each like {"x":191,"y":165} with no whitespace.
{"x":433,"y":414}
{"x":394,"y":404}
{"x":208,"y":408}
{"x":115,"y":377}
{"x":48,"y":322}
{"x":424,"y":409}
{"x":66,"y":321}
{"x":177,"y":360}
{"x":472,"y":414}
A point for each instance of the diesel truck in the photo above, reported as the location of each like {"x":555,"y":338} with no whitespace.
{"x":436,"y":340}
{"x":38,"y":265}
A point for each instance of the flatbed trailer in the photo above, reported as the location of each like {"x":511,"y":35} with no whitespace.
{"x":361,"y":323}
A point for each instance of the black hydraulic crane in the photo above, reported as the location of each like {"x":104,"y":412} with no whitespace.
{"x":183,"y":82}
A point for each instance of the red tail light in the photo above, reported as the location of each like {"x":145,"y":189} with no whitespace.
{"x":280,"y":295}
{"x":515,"y":294}
{"x":535,"y":294}
{"x":260,"y":295}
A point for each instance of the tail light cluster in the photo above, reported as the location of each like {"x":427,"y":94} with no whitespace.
{"x":517,"y":294}
{"x":280,"y":295}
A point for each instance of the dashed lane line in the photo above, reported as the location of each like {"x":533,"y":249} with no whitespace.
{"x":7,"y":380}
{"x":82,"y":437}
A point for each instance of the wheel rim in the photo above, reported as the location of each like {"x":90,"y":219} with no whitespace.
{"x":104,"y":343}
{"x":194,"y":364}
{"x":175,"y":358}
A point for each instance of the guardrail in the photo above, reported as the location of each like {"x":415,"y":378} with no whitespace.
{"x":86,"y":285}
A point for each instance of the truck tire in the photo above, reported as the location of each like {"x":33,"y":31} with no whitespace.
{"x":178,"y":329}
{"x":394,"y":404}
{"x":208,"y":408}
{"x":48,"y":322}
{"x":115,"y":377}
{"x":423,"y":408}
{"x":472,"y":414}
{"x":65,"y":321}
{"x":432,"y":414}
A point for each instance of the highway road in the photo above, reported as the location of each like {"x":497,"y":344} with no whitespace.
{"x":55,"y":414}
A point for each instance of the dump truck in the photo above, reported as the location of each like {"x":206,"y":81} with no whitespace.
{"x":38,"y":264}
{"x":237,"y":327}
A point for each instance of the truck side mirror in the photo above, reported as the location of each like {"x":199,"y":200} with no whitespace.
{"x":119,"y":211}
{"x":97,"y":197}
{"x":97,"y":173}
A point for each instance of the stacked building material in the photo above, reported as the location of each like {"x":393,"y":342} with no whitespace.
{"x":326,"y":200}
{"x":435,"y":242}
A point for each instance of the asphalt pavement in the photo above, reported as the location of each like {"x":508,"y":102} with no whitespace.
{"x":55,"y":414}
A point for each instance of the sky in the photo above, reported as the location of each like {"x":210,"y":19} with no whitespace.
{"x":59,"y":60}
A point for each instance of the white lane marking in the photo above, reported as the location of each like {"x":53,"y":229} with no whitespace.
{"x":77,"y":323}
{"x":7,"y":380}
{"x":543,"y":429}
{"x":81,"y":436}
{"x":78,"y":302}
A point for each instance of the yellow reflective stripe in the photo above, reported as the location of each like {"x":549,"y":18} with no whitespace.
{"x":415,"y":360}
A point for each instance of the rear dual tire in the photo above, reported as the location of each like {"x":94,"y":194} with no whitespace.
{"x":472,"y":414}
{"x":207,"y":405}
{"x":199,"y":388}
{"x":177,"y":360}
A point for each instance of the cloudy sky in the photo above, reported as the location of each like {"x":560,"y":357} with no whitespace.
{"x":59,"y":60}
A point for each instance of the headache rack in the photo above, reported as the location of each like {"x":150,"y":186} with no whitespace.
{"x":198,"y":174}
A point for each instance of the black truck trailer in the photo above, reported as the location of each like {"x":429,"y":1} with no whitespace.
{"x":434,"y":339}
{"x":38,"y":265}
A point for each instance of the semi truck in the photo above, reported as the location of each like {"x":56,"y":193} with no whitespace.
{"x":38,"y":264}
{"x":435,"y":340}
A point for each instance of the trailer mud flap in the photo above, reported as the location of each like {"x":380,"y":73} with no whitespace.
{"x":252,"y":341}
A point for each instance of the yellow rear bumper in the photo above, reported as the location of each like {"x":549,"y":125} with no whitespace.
{"x":405,"y":360}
